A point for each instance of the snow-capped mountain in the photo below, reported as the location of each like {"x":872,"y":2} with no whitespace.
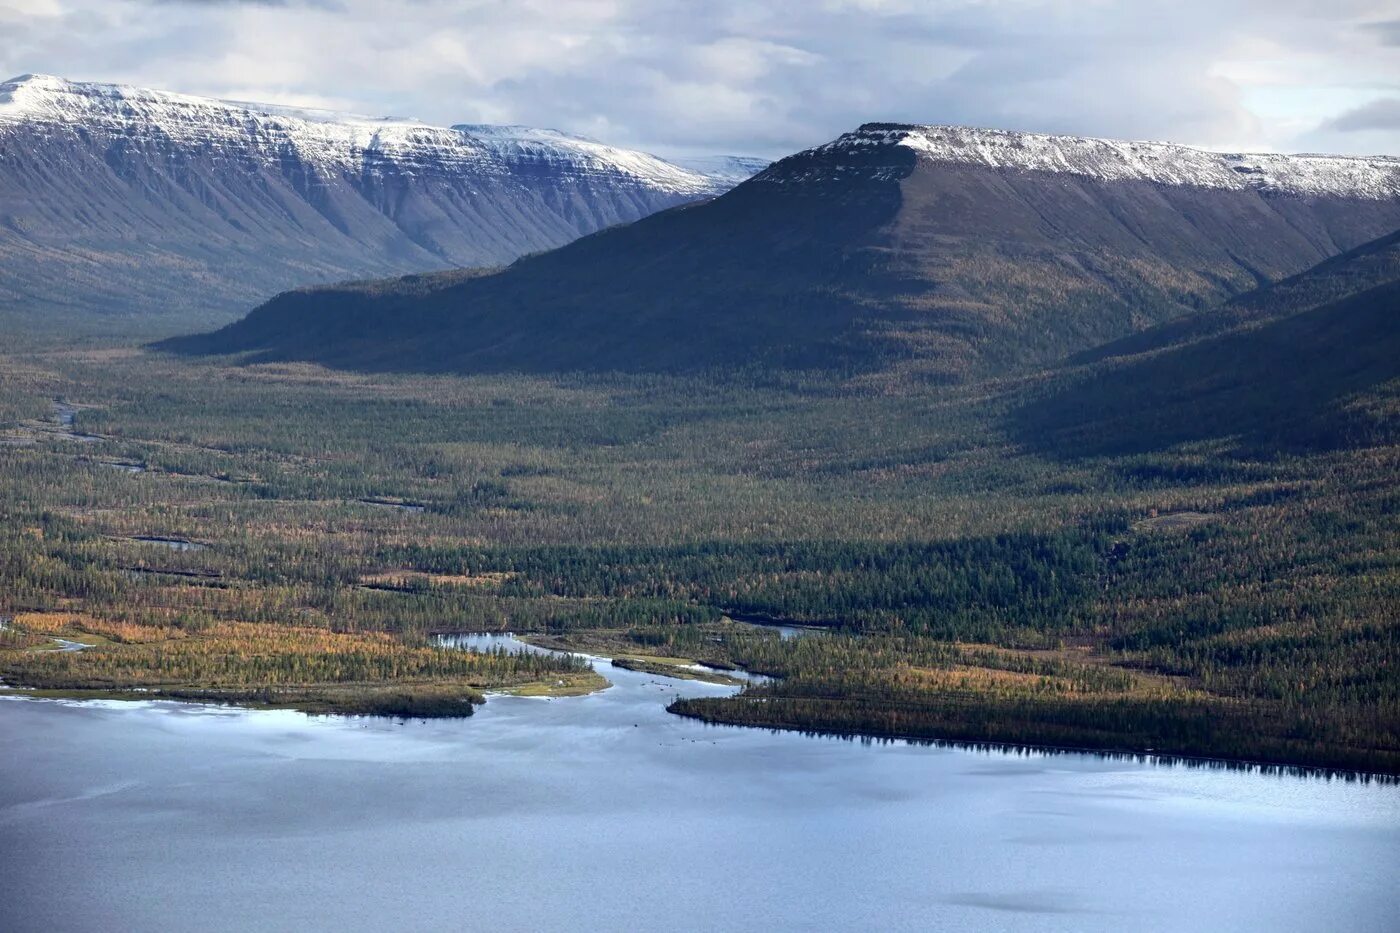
{"x":943,"y":251}
{"x":124,"y":198}
{"x":1114,"y":160}
{"x":521,"y":146}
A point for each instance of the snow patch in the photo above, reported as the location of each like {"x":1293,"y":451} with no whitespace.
{"x":527,"y":144}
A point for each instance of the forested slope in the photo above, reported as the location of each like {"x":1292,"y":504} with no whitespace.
{"x":1290,"y":366}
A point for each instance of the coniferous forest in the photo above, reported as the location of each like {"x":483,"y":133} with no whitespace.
{"x":288,"y":535}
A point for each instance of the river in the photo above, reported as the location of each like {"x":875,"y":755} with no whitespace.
{"x":605,"y":813}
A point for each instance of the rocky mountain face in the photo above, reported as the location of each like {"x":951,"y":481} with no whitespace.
{"x":941,"y":252}
{"x":120,"y":199}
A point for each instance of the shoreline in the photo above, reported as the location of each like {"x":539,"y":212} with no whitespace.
{"x":1264,"y":766}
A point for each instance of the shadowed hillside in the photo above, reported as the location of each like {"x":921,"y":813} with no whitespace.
{"x":1291,"y":366}
{"x":1354,"y":271}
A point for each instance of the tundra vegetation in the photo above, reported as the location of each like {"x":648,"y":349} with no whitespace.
{"x":977,"y":579}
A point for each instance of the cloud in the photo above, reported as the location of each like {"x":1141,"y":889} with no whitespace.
{"x":757,"y":76}
{"x":1388,"y":31}
{"x":1380,"y":114}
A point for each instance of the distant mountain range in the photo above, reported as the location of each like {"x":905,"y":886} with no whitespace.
{"x":733,"y":169}
{"x":941,"y":252}
{"x":124,"y":199}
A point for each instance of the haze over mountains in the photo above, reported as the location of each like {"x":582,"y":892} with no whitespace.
{"x":946,"y":251}
{"x":122,"y":199}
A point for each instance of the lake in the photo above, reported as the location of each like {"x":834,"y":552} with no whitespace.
{"x":605,"y":812}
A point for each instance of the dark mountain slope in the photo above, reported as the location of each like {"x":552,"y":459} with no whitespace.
{"x":1301,"y":372}
{"x":946,"y":251}
{"x":694,"y":286}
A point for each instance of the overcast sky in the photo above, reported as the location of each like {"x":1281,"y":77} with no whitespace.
{"x":763,"y":77}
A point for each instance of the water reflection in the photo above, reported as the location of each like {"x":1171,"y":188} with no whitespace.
{"x":784,"y":630}
{"x":393,"y":504}
{"x":67,"y":415}
{"x":125,"y":466}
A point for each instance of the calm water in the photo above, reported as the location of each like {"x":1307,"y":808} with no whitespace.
{"x":66,"y":416}
{"x":123,"y":465}
{"x":175,"y":544}
{"x":606,"y":813}
{"x":484,"y":641}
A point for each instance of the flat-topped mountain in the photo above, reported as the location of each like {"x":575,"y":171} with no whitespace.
{"x":118,"y":198}
{"x":945,"y":251}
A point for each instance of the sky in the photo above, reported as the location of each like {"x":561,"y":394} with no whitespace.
{"x":763,"y":77}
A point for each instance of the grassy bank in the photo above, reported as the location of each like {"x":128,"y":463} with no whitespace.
{"x":275,"y":666}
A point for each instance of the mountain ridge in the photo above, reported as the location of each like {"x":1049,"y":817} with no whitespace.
{"x":1143,"y":160}
{"x":331,"y":137}
{"x":121,"y":198}
{"x":1334,"y":279}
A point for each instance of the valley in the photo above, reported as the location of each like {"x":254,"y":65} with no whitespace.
{"x":850,"y":466}
{"x":1202,"y":599}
